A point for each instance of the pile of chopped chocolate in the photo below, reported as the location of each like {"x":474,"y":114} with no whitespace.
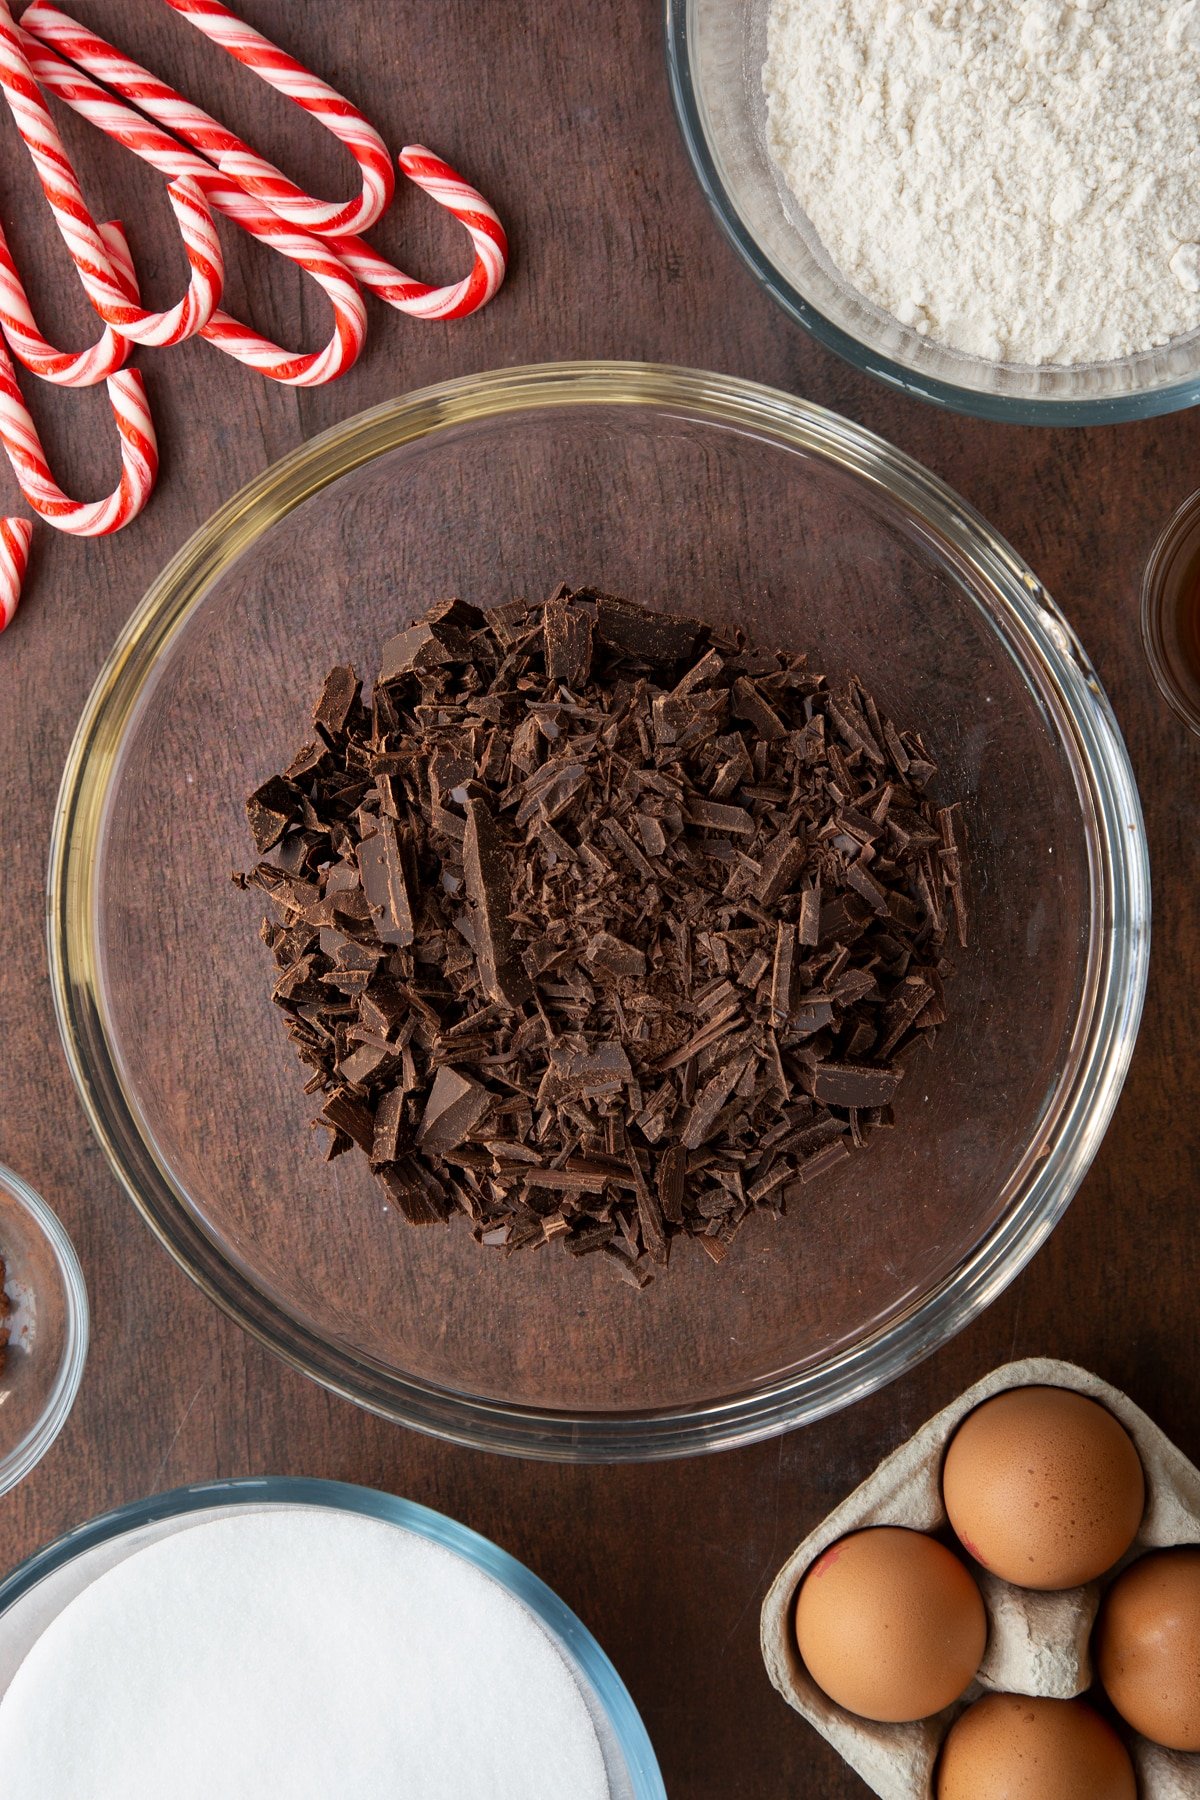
{"x":597,"y":925}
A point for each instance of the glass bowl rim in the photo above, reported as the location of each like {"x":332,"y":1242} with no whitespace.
{"x":1182,"y":527}
{"x":25,"y":1455}
{"x":1120,"y":913}
{"x":563,"y":1626}
{"x":1010,"y":409}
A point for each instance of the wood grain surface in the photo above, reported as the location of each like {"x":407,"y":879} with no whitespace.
{"x":562,"y":117}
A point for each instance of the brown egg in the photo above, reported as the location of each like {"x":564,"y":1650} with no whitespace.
{"x":1007,"y":1747}
{"x":1043,"y":1487}
{"x":1148,"y":1647}
{"x":890,"y":1624}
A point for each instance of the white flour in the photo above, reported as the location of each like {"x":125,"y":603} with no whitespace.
{"x":1019,"y":179}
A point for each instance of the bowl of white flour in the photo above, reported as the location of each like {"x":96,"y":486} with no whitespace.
{"x":994,"y":204}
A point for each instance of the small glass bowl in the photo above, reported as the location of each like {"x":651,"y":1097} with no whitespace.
{"x":33,"y":1595}
{"x":1174,"y":563}
{"x":715,"y":54}
{"x":48,"y":1325}
{"x":689,"y":491}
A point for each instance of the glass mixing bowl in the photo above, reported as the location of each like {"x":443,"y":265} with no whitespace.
{"x":48,"y":1329}
{"x":715,"y":53}
{"x":33,"y":1595}
{"x":685,"y":490}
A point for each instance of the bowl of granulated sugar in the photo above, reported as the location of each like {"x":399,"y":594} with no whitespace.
{"x":993,"y":204}
{"x":293,"y":1640}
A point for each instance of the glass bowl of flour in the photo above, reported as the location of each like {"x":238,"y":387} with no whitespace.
{"x":992,"y":204}
{"x":301,"y":1639}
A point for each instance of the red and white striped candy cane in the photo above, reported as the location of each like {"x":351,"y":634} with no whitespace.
{"x":65,"y":368}
{"x":139,"y":458}
{"x":79,"y":230}
{"x":16,"y":539}
{"x":253,"y":172}
{"x":147,"y":140}
{"x":205,"y":134}
{"x":121,"y":257}
{"x":472,"y":211}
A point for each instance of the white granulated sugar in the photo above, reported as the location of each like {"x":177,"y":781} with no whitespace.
{"x":1018,"y":179}
{"x":299,"y":1654}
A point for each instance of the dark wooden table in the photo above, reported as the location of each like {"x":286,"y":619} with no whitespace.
{"x":563,"y":118}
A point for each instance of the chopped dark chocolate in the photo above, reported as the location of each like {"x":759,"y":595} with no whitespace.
{"x":456,"y":1104}
{"x":600,"y":928}
{"x":331,"y":715}
{"x":489,"y":889}
{"x":270,"y":810}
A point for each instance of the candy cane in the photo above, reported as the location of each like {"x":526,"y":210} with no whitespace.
{"x":121,"y":257}
{"x":472,"y":211}
{"x":207,"y":135}
{"x":79,"y":230}
{"x":16,"y":537}
{"x":253,"y":172}
{"x":65,"y":368}
{"x":139,"y":457}
{"x":171,"y":158}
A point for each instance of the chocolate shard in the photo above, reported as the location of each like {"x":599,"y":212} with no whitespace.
{"x":419,"y":648}
{"x":575,"y":1074}
{"x":421,"y":1199}
{"x":311,"y":759}
{"x":704,"y":1113}
{"x":377,"y":887}
{"x":399,"y":890}
{"x":489,"y":890}
{"x":672,"y":1169}
{"x":747,"y":703}
{"x":456,"y":1105}
{"x":567,"y":631}
{"x":369,"y":1062}
{"x":853,"y":1084}
{"x":854,"y":729}
{"x":864,"y":883}
{"x":654,"y":838}
{"x":336,"y":703}
{"x":650,"y":1217}
{"x":647,"y":636}
{"x":949,"y":821}
{"x":782,"y":863}
{"x":733,"y":820}
{"x":346,"y":1113}
{"x":615,"y":958}
{"x":271,"y":809}
{"x":781,"y":972}
{"x":460,"y":615}
{"x":391,"y":1131}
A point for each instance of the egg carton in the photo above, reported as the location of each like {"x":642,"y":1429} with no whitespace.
{"x":1038,"y":1643}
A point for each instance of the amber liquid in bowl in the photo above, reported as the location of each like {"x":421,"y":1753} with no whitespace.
{"x":691,"y":494}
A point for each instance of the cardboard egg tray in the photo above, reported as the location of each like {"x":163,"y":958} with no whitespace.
{"x":1038,"y":1643}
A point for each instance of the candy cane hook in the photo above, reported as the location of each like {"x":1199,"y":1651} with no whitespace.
{"x":139,"y":458}
{"x":57,"y":32}
{"x":79,"y":230}
{"x":64,"y":368}
{"x":253,"y":172}
{"x":472,"y":211}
